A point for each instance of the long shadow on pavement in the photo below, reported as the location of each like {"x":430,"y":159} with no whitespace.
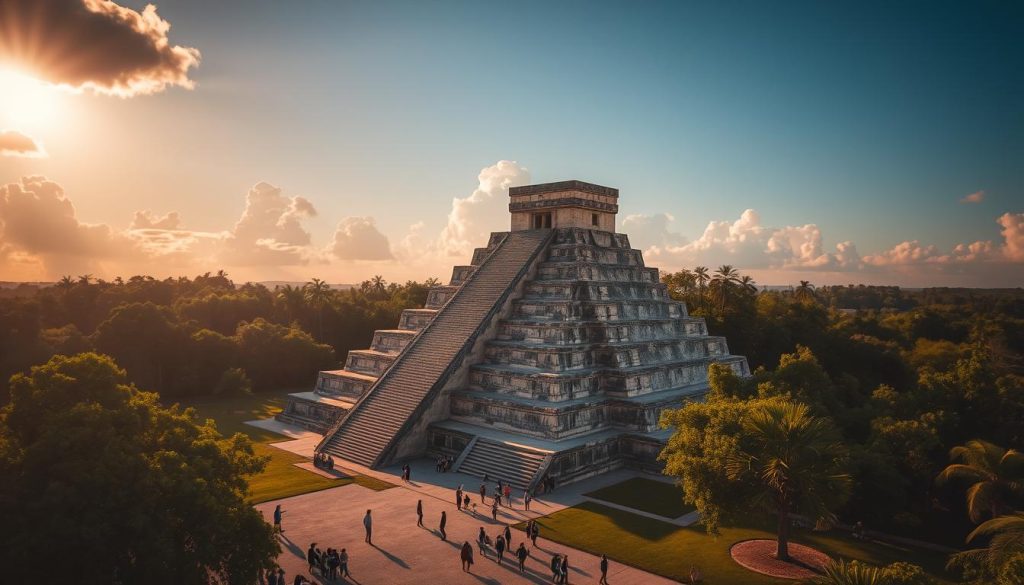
{"x":397,"y":560}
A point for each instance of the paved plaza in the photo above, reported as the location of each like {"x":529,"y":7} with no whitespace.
{"x":405,"y":553}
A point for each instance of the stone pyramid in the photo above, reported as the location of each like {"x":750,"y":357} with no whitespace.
{"x":551,"y":355}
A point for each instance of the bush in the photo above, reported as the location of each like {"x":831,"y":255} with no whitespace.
{"x":905,"y":574}
{"x":233,"y":382}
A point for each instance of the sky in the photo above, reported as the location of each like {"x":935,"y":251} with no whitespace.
{"x":858,"y":142}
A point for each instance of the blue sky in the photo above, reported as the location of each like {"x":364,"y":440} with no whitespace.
{"x":868,"y":120}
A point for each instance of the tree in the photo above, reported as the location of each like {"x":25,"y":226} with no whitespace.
{"x":805,"y":292}
{"x":722,"y":283}
{"x":996,"y":476}
{"x":797,"y":458}
{"x":733,"y":457}
{"x":318,"y":294}
{"x":293,"y":298}
{"x":700,"y":273}
{"x":146,"y":494}
{"x":1005,"y":536}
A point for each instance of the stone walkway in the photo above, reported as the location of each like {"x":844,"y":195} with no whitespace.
{"x":403,"y":553}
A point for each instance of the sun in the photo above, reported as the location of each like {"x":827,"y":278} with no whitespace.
{"x":26,"y":103}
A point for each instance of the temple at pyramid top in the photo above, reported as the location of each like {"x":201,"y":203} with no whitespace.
{"x":566,"y":204}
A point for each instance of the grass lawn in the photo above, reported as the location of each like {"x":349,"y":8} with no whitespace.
{"x":281,"y":478}
{"x":647,"y":495}
{"x":666,"y":549}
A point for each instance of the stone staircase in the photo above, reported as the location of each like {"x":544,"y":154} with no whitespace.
{"x":419,"y":372}
{"x":510,"y":463}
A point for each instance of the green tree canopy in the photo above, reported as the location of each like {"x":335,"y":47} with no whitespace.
{"x":124,"y":490}
{"x":764,"y":454}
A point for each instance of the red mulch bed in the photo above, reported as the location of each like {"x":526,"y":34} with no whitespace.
{"x":759,"y":556}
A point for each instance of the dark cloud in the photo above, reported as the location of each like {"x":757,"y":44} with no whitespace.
{"x":14,"y":143}
{"x":93,"y":44}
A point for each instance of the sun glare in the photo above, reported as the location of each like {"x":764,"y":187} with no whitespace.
{"x":26,"y":103}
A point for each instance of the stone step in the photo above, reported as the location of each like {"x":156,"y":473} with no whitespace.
{"x":557,"y":358}
{"x":368,"y":361}
{"x":416,"y":319}
{"x":439,"y":295}
{"x":595,"y":290}
{"x":499,"y":461}
{"x":594,"y":254}
{"x":569,"y":385}
{"x":590,"y":271}
{"x":575,"y":332}
{"x":417,"y":373}
{"x":391,"y":340}
{"x":461,"y":274}
{"x":620,"y":310}
{"x":344,"y":383}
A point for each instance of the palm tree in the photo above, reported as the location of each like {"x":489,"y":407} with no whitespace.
{"x":748,"y":285}
{"x":379,"y":285}
{"x":292,"y":297}
{"x":700,"y":273}
{"x":725,"y":278}
{"x":842,"y":572}
{"x":85,"y":279}
{"x":318,"y":293}
{"x":805,"y":292}
{"x":796,"y":459}
{"x":1006,"y":538}
{"x":996,"y":476}
{"x":432,"y":282}
{"x":66,"y":282}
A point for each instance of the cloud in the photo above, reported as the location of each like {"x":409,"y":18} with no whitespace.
{"x":146,"y":220}
{"x":37,"y":217}
{"x":485,"y":210}
{"x":651,"y":230}
{"x":270,"y":230}
{"x":14,"y":143}
{"x":1013,"y":236}
{"x":94,"y":44}
{"x":746,"y":243}
{"x":357,"y":238}
{"x":976,"y":197}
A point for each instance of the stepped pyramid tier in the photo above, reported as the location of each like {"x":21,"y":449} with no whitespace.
{"x":552,"y":354}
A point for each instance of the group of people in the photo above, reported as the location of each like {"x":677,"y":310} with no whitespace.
{"x":331,"y":564}
{"x":323,"y":461}
{"x":502,"y":543}
{"x":443,"y":464}
{"x":276,"y":576}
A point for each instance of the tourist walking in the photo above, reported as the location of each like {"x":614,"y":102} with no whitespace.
{"x":556,"y":568}
{"x":494,"y":509}
{"x":444,"y":520}
{"x":481,"y":542}
{"x":508,"y":536}
{"x":467,"y":556}
{"x":535,"y":533}
{"x":343,"y":563}
{"x":521,"y":554}
{"x":419,"y":513}
{"x":564,"y":570}
{"x":368,"y":525}
{"x":312,"y":558}
{"x":483,"y":492}
{"x":465,"y":502}
{"x":458,"y":498}
{"x":604,"y":570}
{"x":499,"y":547}
{"x":278,"y":512}
{"x":508,"y":495}
{"x":526,"y":500}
